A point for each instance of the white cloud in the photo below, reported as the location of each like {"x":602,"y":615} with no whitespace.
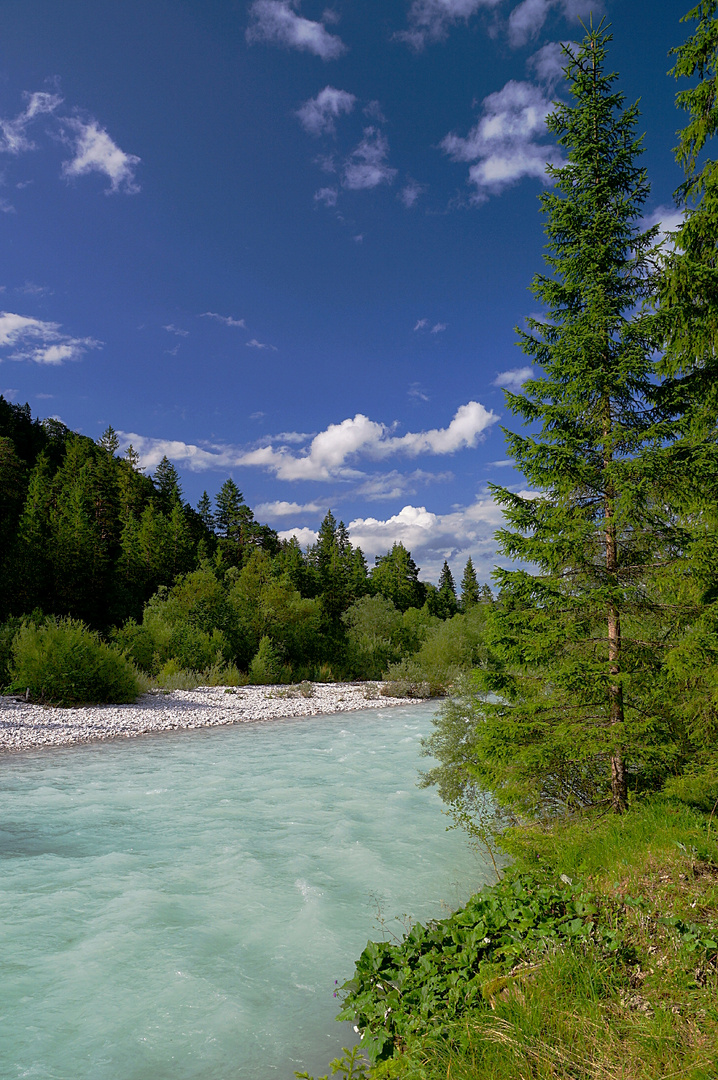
{"x":366,"y":166}
{"x":329,"y":454}
{"x":514,"y":378}
{"x":503,"y":144}
{"x":430,"y":20}
{"x":527,"y":19}
{"x":438,"y":328}
{"x":276,"y":22}
{"x":172,"y":329}
{"x":40,"y":341}
{"x":421,"y":324}
{"x":13,"y":133}
{"x":417,"y":392}
{"x":282,"y":508}
{"x":548,"y":63}
{"x":411,"y":193}
{"x":95,"y":151}
{"x":254,"y":344}
{"x":228,"y":320}
{"x":319,"y":114}
{"x":326,"y":195}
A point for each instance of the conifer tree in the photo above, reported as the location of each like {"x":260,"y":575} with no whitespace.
{"x":446,"y":604}
{"x":109,"y":441}
{"x":329,"y":558}
{"x":204,"y":509}
{"x":32,"y":550}
{"x":167,"y":482}
{"x":575,"y":663}
{"x":469,"y":587}
{"x":396,"y":576}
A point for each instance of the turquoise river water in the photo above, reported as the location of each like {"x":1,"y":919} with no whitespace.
{"x":179,"y":906}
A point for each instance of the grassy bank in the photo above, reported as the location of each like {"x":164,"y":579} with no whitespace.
{"x":594,"y":958}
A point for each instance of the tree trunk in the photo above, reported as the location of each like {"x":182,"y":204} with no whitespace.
{"x":619,"y":787}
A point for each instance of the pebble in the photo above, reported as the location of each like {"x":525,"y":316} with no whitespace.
{"x":25,"y":726}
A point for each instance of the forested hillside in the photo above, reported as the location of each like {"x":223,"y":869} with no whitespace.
{"x":86,"y":535}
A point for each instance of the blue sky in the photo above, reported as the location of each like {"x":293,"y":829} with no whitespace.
{"x":289,"y":241}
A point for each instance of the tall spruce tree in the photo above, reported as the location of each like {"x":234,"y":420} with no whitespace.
{"x":574,"y":659}
{"x":446,"y":602}
{"x":469,"y":587}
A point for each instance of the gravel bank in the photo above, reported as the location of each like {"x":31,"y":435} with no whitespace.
{"x":24,"y":726}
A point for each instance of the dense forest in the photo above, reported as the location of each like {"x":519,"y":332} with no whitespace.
{"x":87,"y":536}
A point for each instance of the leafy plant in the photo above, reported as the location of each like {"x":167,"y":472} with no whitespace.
{"x":62,"y":662}
{"x":442,"y":970}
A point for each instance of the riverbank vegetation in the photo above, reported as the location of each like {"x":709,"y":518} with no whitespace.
{"x":584,"y":744}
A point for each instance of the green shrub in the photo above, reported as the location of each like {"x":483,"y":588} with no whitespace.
{"x":449,"y":649}
{"x":64,"y":663}
{"x":265,"y":667}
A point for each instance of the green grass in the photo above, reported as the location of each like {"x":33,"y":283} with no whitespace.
{"x":629,"y":994}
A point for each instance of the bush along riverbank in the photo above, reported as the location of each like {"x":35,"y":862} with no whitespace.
{"x":596,"y":955}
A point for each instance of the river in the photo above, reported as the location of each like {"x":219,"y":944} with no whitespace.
{"x":182,"y":906}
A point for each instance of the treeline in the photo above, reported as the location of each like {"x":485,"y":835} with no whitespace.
{"x":86,"y":535}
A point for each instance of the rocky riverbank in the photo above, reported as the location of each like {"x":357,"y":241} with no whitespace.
{"x":26,"y":726}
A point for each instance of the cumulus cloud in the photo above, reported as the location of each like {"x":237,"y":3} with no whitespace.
{"x":366,"y":166}
{"x":503,"y":146}
{"x":430,"y":20}
{"x":331,"y":454}
{"x":228,"y":320}
{"x":515,"y":378}
{"x":326,"y":195}
{"x":95,"y":151}
{"x":528,"y":18}
{"x":276,"y":22}
{"x":172,"y":329}
{"x":39,"y":341}
{"x":318,"y":116}
{"x":13,"y":133}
